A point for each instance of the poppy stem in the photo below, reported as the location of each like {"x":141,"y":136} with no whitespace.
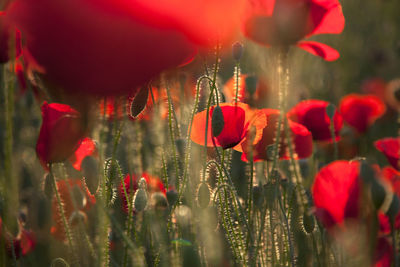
{"x":237,"y":81}
{"x":173,"y":143}
{"x":394,"y":247}
{"x":62,"y":213}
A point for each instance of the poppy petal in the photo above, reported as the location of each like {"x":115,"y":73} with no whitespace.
{"x":390,"y":147}
{"x":318,"y":49}
{"x":336,"y":192}
{"x":327,"y":17}
{"x":361,"y":111}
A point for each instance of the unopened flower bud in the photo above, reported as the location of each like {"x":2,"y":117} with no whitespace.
{"x":217,"y":121}
{"x":237,"y":51}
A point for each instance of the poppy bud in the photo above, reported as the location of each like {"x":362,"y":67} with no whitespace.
{"x":217,"y":121}
{"x":237,"y":51}
{"x":330,"y":110}
{"x":251,"y":84}
{"x":90,"y":173}
{"x":203,"y":195}
{"x":172,"y":197}
{"x":393,"y":208}
{"x":140,"y":198}
{"x":378,"y":194}
{"x":139,"y":101}
{"x":308,"y":222}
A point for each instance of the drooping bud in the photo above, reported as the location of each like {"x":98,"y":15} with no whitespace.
{"x":237,"y":51}
{"x":172,"y":197}
{"x":330,"y":110}
{"x":251,"y":84}
{"x":217,"y":121}
{"x":308,"y":222}
{"x":393,"y":208}
{"x":139,"y":101}
{"x":77,"y":218}
{"x":140,"y":199}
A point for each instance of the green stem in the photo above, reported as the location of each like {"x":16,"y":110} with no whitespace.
{"x":62,"y":212}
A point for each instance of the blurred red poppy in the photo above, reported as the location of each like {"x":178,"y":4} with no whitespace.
{"x":238,"y":118}
{"x":312,"y":114}
{"x":390,"y":147}
{"x":22,"y":244}
{"x":87,"y":147}
{"x":154,"y":184}
{"x":248,"y":83}
{"x":336,"y":192}
{"x":383,"y":253}
{"x":61,"y":133}
{"x":391,"y":176}
{"x":287,"y":22}
{"x":76,"y":199}
{"x":361,"y":111}
{"x":7,"y":31}
{"x":112,"y":47}
{"x":301,"y":138}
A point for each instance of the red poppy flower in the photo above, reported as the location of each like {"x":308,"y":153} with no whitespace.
{"x":87,"y":147}
{"x":7,"y":32}
{"x":258,"y":98}
{"x":61,"y":133}
{"x":383,"y":253}
{"x":336,"y":192}
{"x":361,"y":111}
{"x":23,"y":243}
{"x":312,"y":114}
{"x":390,"y":147}
{"x":287,"y":22}
{"x":301,"y":138}
{"x":154,"y":184}
{"x":238,"y":118}
{"x":112,"y":47}
{"x":83,"y":201}
{"x":392,"y":177}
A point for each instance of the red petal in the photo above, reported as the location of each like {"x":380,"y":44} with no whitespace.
{"x":361,"y":111}
{"x":301,"y":138}
{"x":86,"y":148}
{"x":60,"y":134}
{"x":336,"y":191}
{"x":322,"y":50}
{"x":390,"y":148}
{"x":383,"y":253}
{"x":104,"y":49}
{"x":312,"y":114}
{"x":327,"y":17}
{"x":237,"y":120}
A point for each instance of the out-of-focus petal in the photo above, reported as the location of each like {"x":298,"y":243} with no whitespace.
{"x":361,"y":111}
{"x":318,"y":49}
